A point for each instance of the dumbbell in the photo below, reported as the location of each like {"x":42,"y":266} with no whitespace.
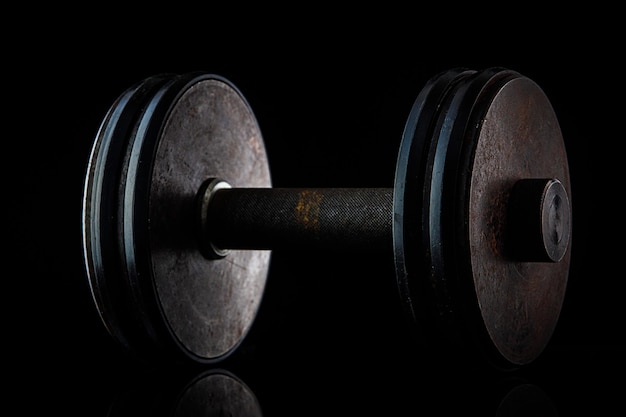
{"x":180,"y":218}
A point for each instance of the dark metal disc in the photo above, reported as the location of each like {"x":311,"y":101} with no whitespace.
{"x":470,"y":136}
{"x":153,"y":288}
{"x":209,"y":131}
{"x":104,"y":264}
{"x":519,"y":137}
{"x":409,"y":216}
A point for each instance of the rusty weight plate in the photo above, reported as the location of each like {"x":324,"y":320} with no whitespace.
{"x":470,"y":136}
{"x":154,"y":290}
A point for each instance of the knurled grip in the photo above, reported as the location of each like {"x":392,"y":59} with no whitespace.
{"x":358,"y":219}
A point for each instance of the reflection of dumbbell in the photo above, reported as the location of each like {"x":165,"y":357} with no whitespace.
{"x":179,"y":216}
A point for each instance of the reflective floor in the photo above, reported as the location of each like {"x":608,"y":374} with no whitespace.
{"x":321,"y":345}
{"x":561,"y":383}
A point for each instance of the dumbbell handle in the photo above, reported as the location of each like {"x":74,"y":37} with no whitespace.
{"x":358,"y":219}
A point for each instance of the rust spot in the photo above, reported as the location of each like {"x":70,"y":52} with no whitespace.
{"x":255,"y":145}
{"x":308,"y":208}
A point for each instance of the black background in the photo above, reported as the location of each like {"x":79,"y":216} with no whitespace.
{"x":331,"y":92}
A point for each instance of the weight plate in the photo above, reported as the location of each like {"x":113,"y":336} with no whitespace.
{"x":193,"y":127}
{"x":463,"y":148}
{"x":409,"y":247}
{"x":209,"y":131}
{"x":518,"y":137}
{"x":103,"y":262}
